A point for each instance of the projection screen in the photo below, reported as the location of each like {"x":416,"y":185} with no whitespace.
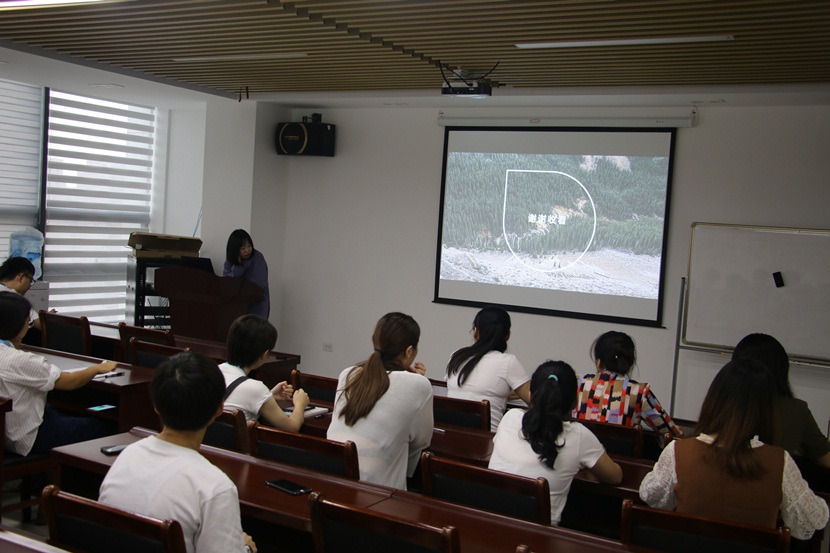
{"x":560,"y":221}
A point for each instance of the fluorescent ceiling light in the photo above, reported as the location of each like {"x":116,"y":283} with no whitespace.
{"x":625,"y":42}
{"x":21,"y":4}
{"x":239,"y":57}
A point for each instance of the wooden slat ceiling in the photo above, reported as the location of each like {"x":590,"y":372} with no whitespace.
{"x":351,"y":45}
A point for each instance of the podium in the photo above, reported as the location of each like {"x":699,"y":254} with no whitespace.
{"x":203,"y":305}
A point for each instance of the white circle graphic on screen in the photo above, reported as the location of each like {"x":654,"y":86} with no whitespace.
{"x":549,"y":263}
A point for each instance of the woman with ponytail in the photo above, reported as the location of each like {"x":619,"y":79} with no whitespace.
{"x":543,"y":442}
{"x":483,"y":370}
{"x":384,"y":404}
{"x":611,"y":396}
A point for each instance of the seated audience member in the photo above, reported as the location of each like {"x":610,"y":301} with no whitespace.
{"x":16,"y":276}
{"x":726,"y":471}
{"x":797,"y":431}
{"x":165,"y":476}
{"x":250,"y":341}
{"x":543,"y":441}
{"x":483,"y":370}
{"x":610,"y":395}
{"x":384,"y":407}
{"x":26,"y":378}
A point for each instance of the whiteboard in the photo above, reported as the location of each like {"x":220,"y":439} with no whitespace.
{"x":731,"y":290}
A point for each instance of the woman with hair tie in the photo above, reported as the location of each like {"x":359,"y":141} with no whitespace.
{"x":384,"y":404}
{"x":543,"y":442}
{"x":484,"y":370}
{"x":611,"y":396}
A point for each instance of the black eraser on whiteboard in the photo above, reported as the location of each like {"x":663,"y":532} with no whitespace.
{"x":778,"y":279}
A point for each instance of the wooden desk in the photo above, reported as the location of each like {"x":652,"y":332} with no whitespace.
{"x":12,"y":542}
{"x":257,"y":500}
{"x":483,"y":532}
{"x":479,"y":531}
{"x":106,"y":342}
{"x":130,"y":392}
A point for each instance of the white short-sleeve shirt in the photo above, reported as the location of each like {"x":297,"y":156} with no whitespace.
{"x":512,"y":453}
{"x":493,"y":378}
{"x":166,"y":481}
{"x":391,"y":437}
{"x":248,"y":397}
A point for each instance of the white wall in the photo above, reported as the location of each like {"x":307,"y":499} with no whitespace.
{"x":182,"y":199}
{"x":361,"y":235}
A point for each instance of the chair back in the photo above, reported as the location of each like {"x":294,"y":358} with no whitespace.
{"x":683,"y":533}
{"x":462,"y":412}
{"x":80,"y":524}
{"x":489,"y":490}
{"x":319,"y":388}
{"x":65,"y":333}
{"x":304,"y":451}
{"x":156,"y":336}
{"x":229,"y":431}
{"x":336,"y":527}
{"x":17,"y":467}
{"x":617,"y":439}
{"x":151,"y":355}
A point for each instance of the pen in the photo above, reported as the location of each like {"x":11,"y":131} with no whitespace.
{"x":110,"y":375}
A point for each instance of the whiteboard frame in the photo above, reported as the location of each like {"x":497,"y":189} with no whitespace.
{"x":685,"y":343}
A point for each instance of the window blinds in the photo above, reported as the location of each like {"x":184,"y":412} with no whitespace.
{"x":98,"y":191}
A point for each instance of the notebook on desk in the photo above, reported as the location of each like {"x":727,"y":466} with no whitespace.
{"x":310,"y":411}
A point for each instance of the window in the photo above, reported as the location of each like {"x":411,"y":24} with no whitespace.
{"x":21,"y":136}
{"x":98,"y":191}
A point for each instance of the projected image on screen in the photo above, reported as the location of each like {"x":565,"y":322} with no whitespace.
{"x":575,"y":233}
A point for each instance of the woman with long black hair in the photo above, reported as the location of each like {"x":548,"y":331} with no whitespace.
{"x":543,"y":442}
{"x":485,"y":370}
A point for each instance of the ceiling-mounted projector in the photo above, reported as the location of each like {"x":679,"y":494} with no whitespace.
{"x":470,"y":88}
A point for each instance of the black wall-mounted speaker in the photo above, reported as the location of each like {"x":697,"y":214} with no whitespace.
{"x":305,"y":139}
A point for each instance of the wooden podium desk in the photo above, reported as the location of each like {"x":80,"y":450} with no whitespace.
{"x":256,"y":500}
{"x":130,"y":392}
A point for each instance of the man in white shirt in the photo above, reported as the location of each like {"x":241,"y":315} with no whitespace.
{"x":166,"y":477}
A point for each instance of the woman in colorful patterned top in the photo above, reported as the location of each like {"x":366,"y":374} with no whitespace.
{"x":609,"y":395}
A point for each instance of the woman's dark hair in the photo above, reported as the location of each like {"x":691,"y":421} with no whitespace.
{"x":615,"y":351}
{"x":770,"y":352}
{"x":740,"y":404}
{"x":394,"y":333}
{"x":552,"y":398}
{"x":236,"y":240}
{"x":248,"y":338}
{"x":14,"y":314}
{"x":187,"y":390}
{"x":493,"y":324}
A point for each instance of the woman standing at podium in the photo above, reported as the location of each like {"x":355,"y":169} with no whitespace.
{"x":243,"y":261}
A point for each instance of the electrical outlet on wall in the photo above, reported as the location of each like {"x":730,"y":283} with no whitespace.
{"x":328,"y":347}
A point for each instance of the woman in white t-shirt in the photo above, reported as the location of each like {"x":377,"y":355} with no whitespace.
{"x":250,"y":341}
{"x":483,"y":370}
{"x":543,"y":442}
{"x":384,"y":404}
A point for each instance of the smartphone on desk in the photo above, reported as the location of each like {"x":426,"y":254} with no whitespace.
{"x":289,"y":410}
{"x":113,"y":449}
{"x":101,"y":408}
{"x":288,"y":486}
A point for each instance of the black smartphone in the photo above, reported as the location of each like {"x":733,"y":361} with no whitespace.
{"x":308,"y":407}
{"x":113,"y":449}
{"x":288,"y":486}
